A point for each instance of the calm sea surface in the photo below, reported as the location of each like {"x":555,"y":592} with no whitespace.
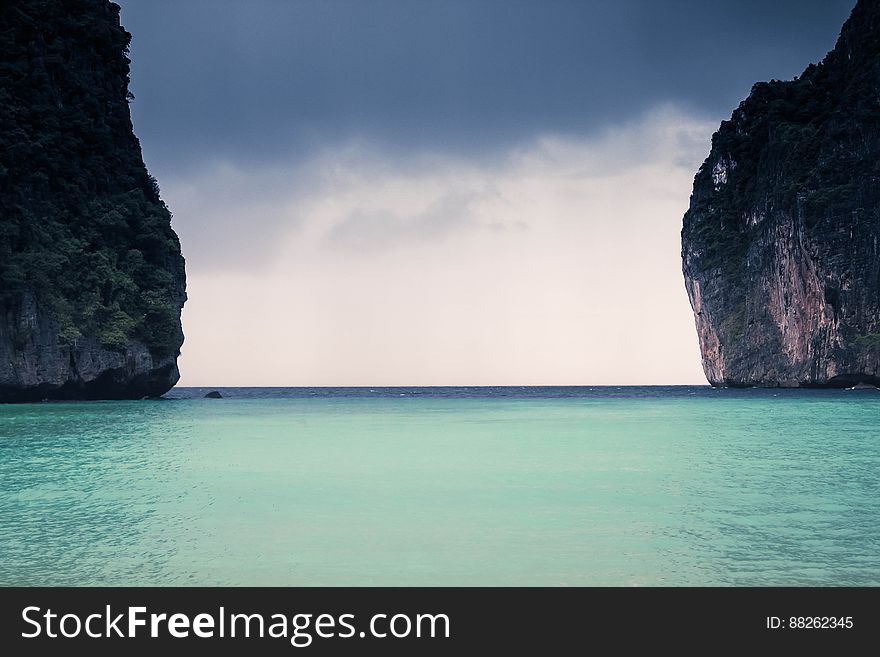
{"x":444,"y":486}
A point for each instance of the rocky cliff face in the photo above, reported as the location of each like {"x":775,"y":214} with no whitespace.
{"x":91,"y":275}
{"x":781,"y":243}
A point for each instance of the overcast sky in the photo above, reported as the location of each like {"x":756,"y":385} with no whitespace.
{"x":441,"y":193}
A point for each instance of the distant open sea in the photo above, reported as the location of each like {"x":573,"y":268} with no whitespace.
{"x":620,"y":486}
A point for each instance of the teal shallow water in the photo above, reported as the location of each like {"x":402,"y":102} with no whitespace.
{"x":681,"y":487}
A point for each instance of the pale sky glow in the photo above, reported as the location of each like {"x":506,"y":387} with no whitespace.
{"x":558,"y":263}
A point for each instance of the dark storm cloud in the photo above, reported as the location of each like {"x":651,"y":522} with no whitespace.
{"x":258,"y":80}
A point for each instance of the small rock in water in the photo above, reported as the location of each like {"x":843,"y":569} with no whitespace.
{"x":214,"y":394}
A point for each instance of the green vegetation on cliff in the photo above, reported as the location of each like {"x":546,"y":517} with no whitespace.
{"x":82,"y":226}
{"x":803,"y":147}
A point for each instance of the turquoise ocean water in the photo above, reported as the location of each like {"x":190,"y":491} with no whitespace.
{"x":444,"y":486}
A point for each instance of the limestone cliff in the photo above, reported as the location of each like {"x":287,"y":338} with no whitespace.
{"x":780,"y":244}
{"x":91,"y":275}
